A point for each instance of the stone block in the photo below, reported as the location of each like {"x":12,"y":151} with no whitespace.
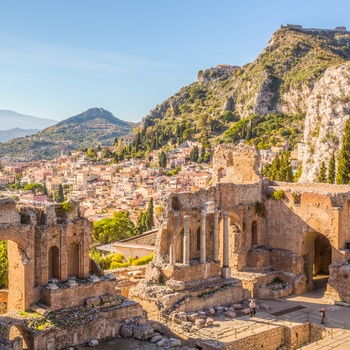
{"x":94,"y":301}
{"x":162,"y":343}
{"x":156,"y":338}
{"x":200,"y":323}
{"x":179,"y":316}
{"x":236,"y":306}
{"x":201,"y":314}
{"x":92,"y":343}
{"x":231,"y":314}
{"x":107,"y":298}
{"x":175,"y":343}
{"x":246,"y":311}
{"x":143,"y":332}
{"x":210,"y":322}
{"x":126,"y":330}
{"x":210,"y":311}
{"x":187,"y":326}
{"x":192,"y":317}
{"x":219,"y":309}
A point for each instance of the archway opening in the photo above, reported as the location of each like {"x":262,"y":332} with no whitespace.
{"x":12,"y":276}
{"x":19,"y":331}
{"x":322,"y":260}
{"x":54,"y":263}
{"x":73,"y":260}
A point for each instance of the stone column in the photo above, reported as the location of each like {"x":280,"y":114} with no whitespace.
{"x":171,"y":255}
{"x":225,"y":270}
{"x":203,"y":252}
{"x":186,"y":242}
{"x":216,"y":236}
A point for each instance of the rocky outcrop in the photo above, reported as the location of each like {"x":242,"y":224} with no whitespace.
{"x":328,"y":110}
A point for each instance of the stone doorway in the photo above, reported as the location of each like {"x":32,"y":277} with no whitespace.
{"x":322,"y":260}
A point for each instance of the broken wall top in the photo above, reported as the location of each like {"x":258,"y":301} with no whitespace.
{"x":236,"y":164}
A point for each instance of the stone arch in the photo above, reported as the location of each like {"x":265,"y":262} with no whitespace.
{"x":254,"y":233}
{"x":73,"y":259}
{"x":18,"y":279}
{"x":317,"y":254}
{"x":54,"y":263}
{"x":17,"y":331}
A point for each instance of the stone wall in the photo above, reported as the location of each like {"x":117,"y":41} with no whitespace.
{"x":66,"y":297}
{"x":268,"y":340}
{"x":339,"y":282}
{"x":235,"y":164}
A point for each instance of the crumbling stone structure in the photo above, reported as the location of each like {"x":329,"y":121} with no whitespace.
{"x":236,"y":229}
{"x":45,"y":244}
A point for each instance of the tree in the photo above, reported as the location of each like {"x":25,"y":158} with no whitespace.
{"x":3,"y":264}
{"x":145,"y":221}
{"x":91,"y":153}
{"x":60,"y":194}
{"x":343,"y":173}
{"x":322,"y":174}
{"x":331,"y":170}
{"x":113,"y":229}
{"x":162,"y":159}
{"x":34,"y":187}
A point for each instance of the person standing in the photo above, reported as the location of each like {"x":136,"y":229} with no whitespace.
{"x":323,"y":315}
{"x":252,"y":306}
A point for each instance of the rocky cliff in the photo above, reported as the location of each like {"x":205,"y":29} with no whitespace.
{"x":327,"y":112}
{"x":279,"y":80}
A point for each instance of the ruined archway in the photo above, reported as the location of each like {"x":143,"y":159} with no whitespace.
{"x":13,"y":285}
{"x":54,"y":263}
{"x":18,"y":331}
{"x":73,"y":260}
{"x":322,"y":256}
{"x":317,"y":255}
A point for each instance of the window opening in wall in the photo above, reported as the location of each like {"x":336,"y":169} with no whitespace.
{"x":54,"y":262}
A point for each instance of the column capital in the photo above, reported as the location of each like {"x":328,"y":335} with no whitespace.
{"x":203,"y":213}
{"x":186,"y":217}
{"x":225,"y":214}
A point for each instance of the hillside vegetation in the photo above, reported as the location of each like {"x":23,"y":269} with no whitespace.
{"x":263,"y":102}
{"x":94,"y":127}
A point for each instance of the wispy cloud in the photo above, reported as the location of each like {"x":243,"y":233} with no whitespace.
{"x":15,"y":51}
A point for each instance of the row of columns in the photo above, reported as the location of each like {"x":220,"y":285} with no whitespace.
{"x":225,"y":270}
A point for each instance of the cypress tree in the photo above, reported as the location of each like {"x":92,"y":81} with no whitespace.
{"x":150,"y":208}
{"x":343,"y":173}
{"x":331,"y":170}
{"x":60,"y":195}
{"x":322,"y":174}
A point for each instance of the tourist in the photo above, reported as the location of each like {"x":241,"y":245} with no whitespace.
{"x":323,"y":315}
{"x":252,"y":306}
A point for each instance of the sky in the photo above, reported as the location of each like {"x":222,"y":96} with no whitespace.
{"x":59,"y":58}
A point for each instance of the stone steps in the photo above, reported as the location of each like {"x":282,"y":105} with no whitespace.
{"x":339,"y":341}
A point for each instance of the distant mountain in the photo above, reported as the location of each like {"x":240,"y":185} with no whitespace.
{"x":91,"y":128}
{"x":7,"y":135}
{"x":11,"y":120}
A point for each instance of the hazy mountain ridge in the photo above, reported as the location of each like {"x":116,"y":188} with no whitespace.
{"x":11,"y":120}
{"x":91,"y":128}
{"x":7,"y":135}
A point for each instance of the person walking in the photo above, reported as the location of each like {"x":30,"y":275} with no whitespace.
{"x":252,"y":306}
{"x":323,"y":315}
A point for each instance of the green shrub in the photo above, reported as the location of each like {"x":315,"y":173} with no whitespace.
{"x":278,"y":195}
{"x":117,"y":265}
{"x":260,"y":209}
{"x":67,"y":207}
{"x":143,"y":261}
